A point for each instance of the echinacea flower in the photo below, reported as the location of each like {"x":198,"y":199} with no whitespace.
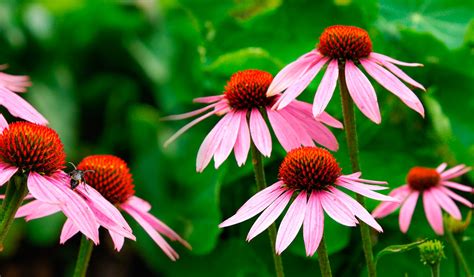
{"x":313,"y":175}
{"x":244,"y":106}
{"x":111,"y":177}
{"x":35,"y":152}
{"x":435,"y":186}
{"x":343,"y":48}
{"x":17,"y":106}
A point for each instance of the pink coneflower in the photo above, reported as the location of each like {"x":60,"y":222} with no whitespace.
{"x":111,"y":177}
{"x":434,"y":185}
{"x":343,"y":48}
{"x":244,"y":105}
{"x":17,"y":106}
{"x":35,"y":152}
{"x":312,"y":174}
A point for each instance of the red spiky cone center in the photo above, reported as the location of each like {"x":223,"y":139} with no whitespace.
{"x":247,"y":89}
{"x":345,"y":43}
{"x":309,"y":168}
{"x":111,"y":177}
{"x":32,"y":147}
{"x":422,"y":178}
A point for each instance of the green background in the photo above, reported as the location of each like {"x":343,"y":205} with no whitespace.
{"x":105,"y":72}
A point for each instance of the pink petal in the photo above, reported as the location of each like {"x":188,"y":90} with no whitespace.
{"x":18,"y":107}
{"x":139,"y":203}
{"x":441,"y":167}
{"x":297,"y":88}
{"x":366,"y":192}
{"x":157,"y":238}
{"x":68,"y":231}
{"x":208,"y":99}
{"x":42,"y":210}
{"x":270,"y":214}
{"x":392,"y":84}
{"x":14,"y":83}
{"x":362,"y":92}
{"x":291,"y":223}
{"x":455,"y":172}
{"x":358,"y":182}
{"x":189,"y":114}
{"x":399,"y":73}
{"x":446,"y":203}
{"x":385,"y":208}
{"x":211,"y":143}
{"x":326,"y":88}
{"x":336,"y":209}
{"x":356,"y":208}
{"x":3,"y":123}
{"x":6,"y":172}
{"x":456,"y":186}
{"x":407,"y":209}
{"x":229,"y":138}
{"x":392,"y":60}
{"x":255,"y":205}
{"x":433,"y":212}
{"x":291,"y":73}
{"x":456,"y":197}
{"x":117,"y":239}
{"x":327,"y":119}
{"x":187,"y":127}
{"x":286,"y":135}
{"x":260,"y":134}
{"x":42,"y":189}
{"x":242,"y":145}
{"x":313,"y":224}
{"x":306,"y":109}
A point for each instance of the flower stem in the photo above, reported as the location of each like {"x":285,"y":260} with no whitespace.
{"x":353,"y":148}
{"x":323,"y":259}
{"x":257,"y":162}
{"x":457,"y":251}
{"x":15,"y":193}
{"x":83,"y":257}
{"x":435,"y":270}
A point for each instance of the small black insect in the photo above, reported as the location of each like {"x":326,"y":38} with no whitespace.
{"x":77,"y":176}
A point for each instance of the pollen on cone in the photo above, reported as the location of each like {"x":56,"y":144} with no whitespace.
{"x":345,"y":42}
{"x":110,"y":176}
{"x":32,"y":147}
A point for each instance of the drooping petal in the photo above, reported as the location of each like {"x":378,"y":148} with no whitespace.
{"x":399,"y":73}
{"x":286,"y":135}
{"x":392,"y":60}
{"x":210,"y":144}
{"x":385,"y":208}
{"x":358,"y":182}
{"x":357,"y":209}
{"x":270,"y":214}
{"x":446,"y":203}
{"x":291,"y":73}
{"x":242,"y":145}
{"x":433,"y":212}
{"x":456,"y":197}
{"x":68,"y":231}
{"x":302,"y":135}
{"x":18,"y":107}
{"x":6,"y":172}
{"x":362,"y":92}
{"x":208,"y":99}
{"x":260,"y":134}
{"x":366,"y":192}
{"x":297,"y":88}
{"x":14,"y":82}
{"x":291,"y":223}
{"x":189,"y":114}
{"x":455,"y":172}
{"x":313,"y":226}
{"x":327,"y":119}
{"x":392,"y":84}
{"x":255,"y":205}
{"x":3,"y":123}
{"x":324,"y":117}
{"x":139,"y":203}
{"x":117,"y":239}
{"x":326,"y":88}
{"x":42,"y":189}
{"x":187,"y":127}
{"x":441,"y":167}
{"x":157,"y":238}
{"x":229,"y":138}
{"x":336,"y":209}
{"x":36,"y":209}
{"x":457,"y":186}
{"x":407,"y":209}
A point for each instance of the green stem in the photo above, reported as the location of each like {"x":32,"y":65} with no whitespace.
{"x":435,"y":270}
{"x":353,"y":148}
{"x":457,"y":252}
{"x":15,"y":193}
{"x":323,"y":259}
{"x":83,"y":257}
{"x":257,"y":162}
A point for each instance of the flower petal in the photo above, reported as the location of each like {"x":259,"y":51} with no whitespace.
{"x":362,"y":92}
{"x":270,"y":214}
{"x":291,"y":223}
{"x":455,"y":172}
{"x":457,"y":186}
{"x":117,"y":239}
{"x":456,"y":197}
{"x":187,"y":127}
{"x":433,"y":212}
{"x":392,"y":60}
{"x":229,"y":138}
{"x":407,"y":209}
{"x":208,"y":99}
{"x":336,"y":209}
{"x":284,"y":131}
{"x":3,"y":123}
{"x":18,"y":107}
{"x":68,"y":231}
{"x":242,"y":145}
{"x":446,"y":203}
{"x":260,"y":134}
{"x":399,"y":73}
{"x":139,"y":203}
{"x":313,"y":227}
{"x":326,"y":88}
{"x":364,"y":191}
{"x":6,"y":172}
{"x":441,"y":167}
{"x":385,"y":208}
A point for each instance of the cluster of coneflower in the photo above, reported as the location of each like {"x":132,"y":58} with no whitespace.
{"x":32,"y":158}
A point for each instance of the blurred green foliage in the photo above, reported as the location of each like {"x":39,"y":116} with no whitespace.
{"x":104,"y":73}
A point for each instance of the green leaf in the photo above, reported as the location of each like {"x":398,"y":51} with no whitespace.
{"x":397,"y":249}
